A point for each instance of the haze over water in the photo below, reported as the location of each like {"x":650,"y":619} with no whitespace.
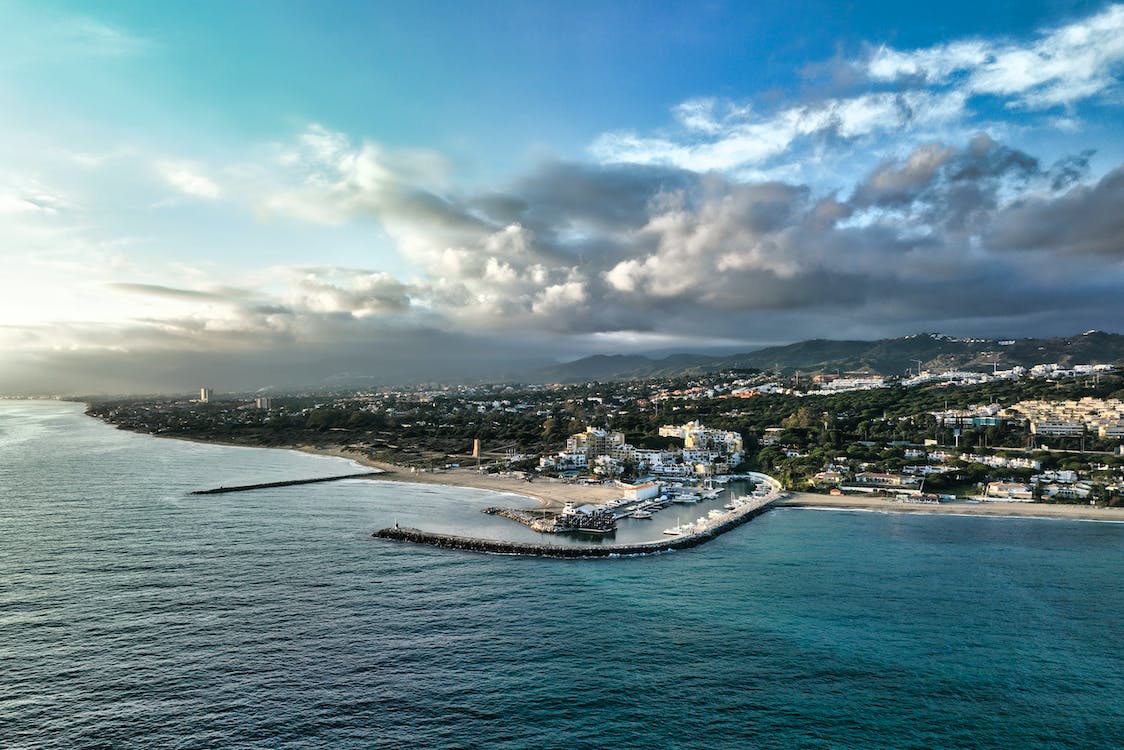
{"x":133,"y":615}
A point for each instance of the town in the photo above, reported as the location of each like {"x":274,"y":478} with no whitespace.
{"x":1045,"y":434}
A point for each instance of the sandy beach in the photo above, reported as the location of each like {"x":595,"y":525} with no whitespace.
{"x":551,"y":494}
{"x":1027,"y":510}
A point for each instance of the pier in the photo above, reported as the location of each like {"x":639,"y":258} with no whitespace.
{"x":498,"y":547}
{"x":285,"y":483}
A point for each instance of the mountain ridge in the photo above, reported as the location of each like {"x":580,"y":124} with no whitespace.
{"x":882,"y":356}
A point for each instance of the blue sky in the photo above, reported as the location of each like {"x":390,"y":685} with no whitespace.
{"x":263,"y":193}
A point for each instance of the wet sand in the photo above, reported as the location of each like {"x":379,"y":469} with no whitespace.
{"x":998,"y":508}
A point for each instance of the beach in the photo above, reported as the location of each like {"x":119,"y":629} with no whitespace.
{"x":997,"y":508}
{"x":551,"y":494}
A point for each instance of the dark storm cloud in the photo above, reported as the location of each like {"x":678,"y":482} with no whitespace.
{"x":1086,"y":220}
{"x":572,"y":258}
{"x":654,"y":248}
{"x":558,"y":195}
{"x":952,"y":187}
{"x":1068,"y":170}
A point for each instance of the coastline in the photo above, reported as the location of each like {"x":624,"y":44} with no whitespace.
{"x":990,"y":508}
{"x":553,"y":494}
{"x":550,"y":494}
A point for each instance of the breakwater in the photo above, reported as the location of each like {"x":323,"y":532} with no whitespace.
{"x":499,"y":547}
{"x":285,"y":483}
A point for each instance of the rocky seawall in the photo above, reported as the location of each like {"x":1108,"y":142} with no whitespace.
{"x":499,"y":547}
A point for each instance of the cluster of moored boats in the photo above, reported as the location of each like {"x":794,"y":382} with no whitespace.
{"x":703,"y":524}
{"x":717,"y":516}
{"x":677,"y":494}
{"x":603,"y":519}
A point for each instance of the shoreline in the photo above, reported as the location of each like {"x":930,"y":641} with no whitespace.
{"x":552,"y":494}
{"x":995,"y":509}
{"x":543,"y":493}
{"x":549,"y":494}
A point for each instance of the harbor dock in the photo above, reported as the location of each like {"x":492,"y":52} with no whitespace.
{"x":685,"y":541}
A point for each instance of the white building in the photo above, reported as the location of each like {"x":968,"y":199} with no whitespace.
{"x":595,"y":441}
{"x":642,"y":491}
{"x":1008,"y":491}
{"x":699,"y":438}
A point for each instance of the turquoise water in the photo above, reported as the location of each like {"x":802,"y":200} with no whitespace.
{"x":133,"y":616}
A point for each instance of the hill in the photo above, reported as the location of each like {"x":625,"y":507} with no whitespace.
{"x":885,"y":356}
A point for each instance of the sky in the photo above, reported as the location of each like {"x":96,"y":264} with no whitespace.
{"x":271,"y":194}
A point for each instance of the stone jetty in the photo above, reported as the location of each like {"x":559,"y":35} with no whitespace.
{"x":285,"y":483}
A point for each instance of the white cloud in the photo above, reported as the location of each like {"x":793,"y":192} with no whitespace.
{"x":188,"y":178}
{"x":1063,"y":66}
{"x":32,"y":34}
{"x":358,"y":293}
{"x":933,"y":65}
{"x":933,"y":92}
{"x":743,"y":139}
{"x":29,"y":196}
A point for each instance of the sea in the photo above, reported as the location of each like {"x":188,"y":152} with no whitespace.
{"x":136,"y":615}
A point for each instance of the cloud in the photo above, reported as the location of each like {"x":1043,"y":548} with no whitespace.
{"x":1085,"y":220}
{"x":188,"y":178}
{"x":31,"y":35}
{"x":31,"y":197}
{"x":1061,"y":67}
{"x":353,"y":292}
{"x":97,"y":37}
{"x":570,"y":257}
{"x":944,"y":186}
{"x":742,"y":138}
{"x":577,"y":248}
{"x":331,"y":180}
{"x":166,"y":292}
{"x":892,"y":96}
{"x":628,"y":249}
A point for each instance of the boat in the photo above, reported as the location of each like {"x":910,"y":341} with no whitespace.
{"x":678,"y":529}
{"x":687,"y":497}
{"x":640,"y":514}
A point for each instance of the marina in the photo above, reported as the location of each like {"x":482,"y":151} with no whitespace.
{"x":691,"y":537}
{"x":603,"y":518}
{"x":681,"y":536}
